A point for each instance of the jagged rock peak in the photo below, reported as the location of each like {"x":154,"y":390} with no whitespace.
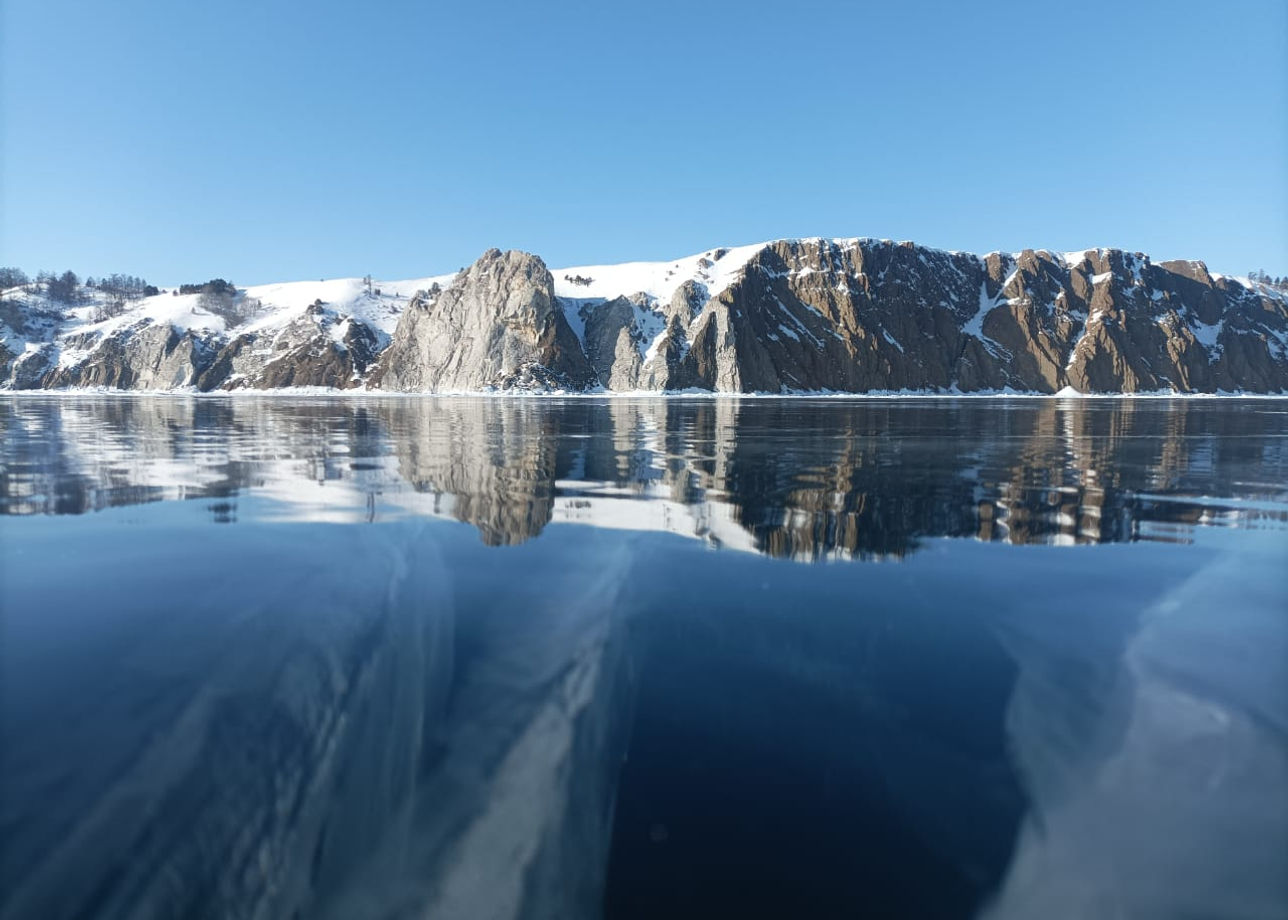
{"x":496,"y":326}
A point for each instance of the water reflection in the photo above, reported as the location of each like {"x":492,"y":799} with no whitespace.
{"x":391,"y":718}
{"x":805,"y":480}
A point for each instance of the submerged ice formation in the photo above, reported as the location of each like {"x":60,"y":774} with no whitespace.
{"x":272,"y":738}
{"x":1162,"y":794}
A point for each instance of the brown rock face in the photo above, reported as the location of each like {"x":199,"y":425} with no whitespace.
{"x":867,"y":315}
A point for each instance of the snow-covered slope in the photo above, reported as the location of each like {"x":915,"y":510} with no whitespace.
{"x":715,"y":269}
{"x":47,"y":343}
{"x":343,"y":296}
{"x":850,"y":315}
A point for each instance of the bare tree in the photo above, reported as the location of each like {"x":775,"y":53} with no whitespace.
{"x":110,"y":308}
{"x":234,"y":308}
{"x":12,"y":278}
{"x":64,"y":288}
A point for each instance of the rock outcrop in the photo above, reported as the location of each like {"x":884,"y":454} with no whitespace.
{"x":312,"y":351}
{"x":143,"y":357}
{"x":791,"y":316}
{"x":497,"y":326}
{"x":864,"y":316}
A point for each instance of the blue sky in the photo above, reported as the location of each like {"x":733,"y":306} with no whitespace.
{"x":264,"y":141}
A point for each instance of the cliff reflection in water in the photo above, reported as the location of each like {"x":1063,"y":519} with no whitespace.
{"x":801,"y":479}
{"x":390,"y":719}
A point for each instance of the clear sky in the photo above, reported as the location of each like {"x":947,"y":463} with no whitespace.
{"x":265,"y":140}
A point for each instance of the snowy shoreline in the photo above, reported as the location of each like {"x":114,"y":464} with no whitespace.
{"x":360,"y":393}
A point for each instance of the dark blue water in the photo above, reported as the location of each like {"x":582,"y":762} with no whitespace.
{"x":270,"y":657}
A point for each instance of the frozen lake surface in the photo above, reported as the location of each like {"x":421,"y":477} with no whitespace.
{"x":658,"y":658}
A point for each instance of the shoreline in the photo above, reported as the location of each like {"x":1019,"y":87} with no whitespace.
{"x":333,"y":393}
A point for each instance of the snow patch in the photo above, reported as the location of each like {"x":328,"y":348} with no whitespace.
{"x":1208,"y":334}
{"x":891,"y":339}
{"x":975,"y":325}
{"x":659,"y":280}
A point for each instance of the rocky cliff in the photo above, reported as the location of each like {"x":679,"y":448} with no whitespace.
{"x":865,"y":315}
{"x":790,"y":316}
{"x":497,"y":325}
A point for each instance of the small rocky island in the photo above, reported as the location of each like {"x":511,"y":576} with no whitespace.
{"x":785,"y":317}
